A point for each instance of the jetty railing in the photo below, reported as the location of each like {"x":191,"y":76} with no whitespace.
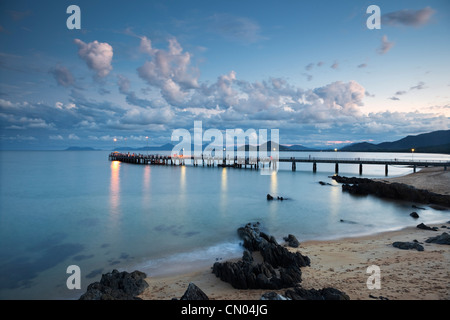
{"x":270,"y":162}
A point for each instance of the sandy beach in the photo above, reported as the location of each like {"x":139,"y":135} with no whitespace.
{"x":343,"y":263}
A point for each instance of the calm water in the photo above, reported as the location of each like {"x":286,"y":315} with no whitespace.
{"x":63,"y":208}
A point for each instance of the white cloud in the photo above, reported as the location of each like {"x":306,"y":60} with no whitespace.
{"x":169,"y":70}
{"x":56,"y":137}
{"x":98,"y":56}
{"x":73,"y":136}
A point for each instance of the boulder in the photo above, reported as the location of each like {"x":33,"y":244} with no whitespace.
{"x":272,"y":296}
{"x":414,"y":214}
{"x":194,"y":293}
{"x":117,"y":286}
{"x":292,"y":241}
{"x":425,"y":227}
{"x":444,"y":238}
{"x":280,"y":267}
{"x":299,"y":293}
{"x":408,"y":245}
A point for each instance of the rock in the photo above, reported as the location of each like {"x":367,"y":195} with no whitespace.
{"x":400,"y":191}
{"x":444,"y":238}
{"x":272,"y":296}
{"x":194,"y":293}
{"x":325,"y":183}
{"x":292,"y":241}
{"x":117,"y":286}
{"x":269,"y":197}
{"x":280,"y":267}
{"x":299,"y":293}
{"x":414,"y":215}
{"x":425,"y":227}
{"x":408,"y":245}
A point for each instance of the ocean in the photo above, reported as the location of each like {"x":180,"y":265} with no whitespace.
{"x":62,"y":208}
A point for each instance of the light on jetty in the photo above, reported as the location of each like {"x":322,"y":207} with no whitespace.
{"x":266,"y":162}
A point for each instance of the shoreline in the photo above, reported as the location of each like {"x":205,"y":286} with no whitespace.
{"x":342,"y":263}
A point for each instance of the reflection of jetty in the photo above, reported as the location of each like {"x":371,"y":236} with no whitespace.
{"x":269,"y":162}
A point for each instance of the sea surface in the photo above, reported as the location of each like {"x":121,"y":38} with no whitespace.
{"x":62,"y":208}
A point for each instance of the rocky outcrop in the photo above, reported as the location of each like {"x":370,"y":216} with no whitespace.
{"x":425,"y":227}
{"x":444,"y":238}
{"x":194,"y":293}
{"x":280,"y":267}
{"x":117,"y":286}
{"x":400,"y":191}
{"x":299,"y":293}
{"x":408,"y":245}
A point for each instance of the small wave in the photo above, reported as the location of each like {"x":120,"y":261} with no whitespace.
{"x":183,"y":262}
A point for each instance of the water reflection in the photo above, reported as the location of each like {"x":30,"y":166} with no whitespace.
{"x":146,"y":192}
{"x":114,"y":190}
{"x":223,"y":192}
{"x":274,"y":183}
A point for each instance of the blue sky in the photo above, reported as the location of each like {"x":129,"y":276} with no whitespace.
{"x":138,"y":69}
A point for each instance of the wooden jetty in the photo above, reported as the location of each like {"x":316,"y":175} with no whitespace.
{"x":269,"y":162}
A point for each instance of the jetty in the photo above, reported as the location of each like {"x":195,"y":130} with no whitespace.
{"x":268,"y":162}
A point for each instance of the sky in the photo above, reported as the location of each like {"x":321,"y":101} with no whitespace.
{"x":135,"y":71}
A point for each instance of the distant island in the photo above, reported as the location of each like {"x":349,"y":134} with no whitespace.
{"x":81,"y":149}
{"x":432,"y":142}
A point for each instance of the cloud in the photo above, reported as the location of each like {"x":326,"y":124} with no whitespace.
{"x":170,"y":71}
{"x":309,"y":66}
{"x":62,"y":76}
{"x":362,"y":65}
{"x":385,"y":45}
{"x":56,"y":137}
{"x":335,"y":65}
{"x":98,"y":56}
{"x":394,"y":98}
{"x":73,"y":136}
{"x":408,"y":17}
{"x":419,"y":86}
{"x":235,"y":28}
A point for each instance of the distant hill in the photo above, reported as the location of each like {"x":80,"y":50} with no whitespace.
{"x":432,"y":142}
{"x":81,"y":149}
{"x":266,"y":146}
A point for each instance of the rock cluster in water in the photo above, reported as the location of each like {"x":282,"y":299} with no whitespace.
{"x":400,"y":191}
{"x":280,"y":267}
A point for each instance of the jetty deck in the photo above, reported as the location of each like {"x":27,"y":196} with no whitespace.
{"x":269,"y":162}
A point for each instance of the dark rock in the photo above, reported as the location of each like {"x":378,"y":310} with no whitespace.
{"x":272,"y":296}
{"x":194,"y":293}
{"x":425,"y":227}
{"x":117,"y":286}
{"x":280,"y":267}
{"x":299,"y":293}
{"x":292,"y":241}
{"x":325,"y":183}
{"x":408,"y":245}
{"x":400,"y":191}
{"x":444,"y":238}
{"x":269,"y":197}
{"x":414,"y":215}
